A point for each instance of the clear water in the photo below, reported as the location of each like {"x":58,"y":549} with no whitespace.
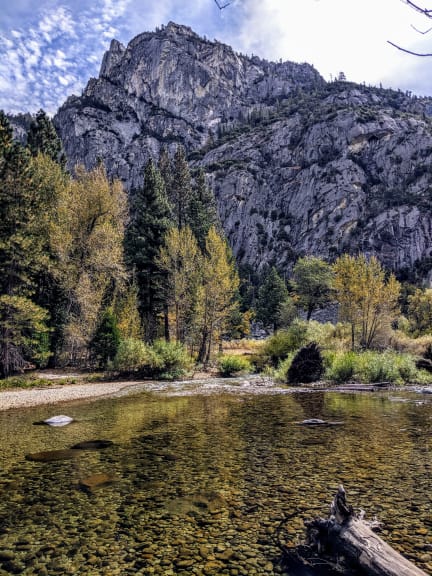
{"x":200,"y":483}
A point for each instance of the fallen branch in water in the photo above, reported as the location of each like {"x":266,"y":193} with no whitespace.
{"x":348,"y":535}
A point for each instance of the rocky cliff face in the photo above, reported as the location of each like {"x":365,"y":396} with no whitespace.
{"x":168,"y":87}
{"x":298,"y":166}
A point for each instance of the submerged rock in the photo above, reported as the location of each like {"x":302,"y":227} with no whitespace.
{"x":319,"y":422}
{"x":57,"y":421}
{"x":96,"y":481}
{"x":52,"y":455}
{"x":92,"y":445}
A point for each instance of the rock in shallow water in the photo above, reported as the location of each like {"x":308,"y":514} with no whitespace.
{"x":96,"y":481}
{"x":52,"y":455}
{"x":57,"y":421}
{"x":92,"y":445}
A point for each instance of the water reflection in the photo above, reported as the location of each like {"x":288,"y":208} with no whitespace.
{"x":201,"y":482}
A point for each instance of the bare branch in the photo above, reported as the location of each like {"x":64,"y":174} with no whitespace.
{"x":425,"y":11}
{"x":420,"y":31}
{"x":408,"y":51}
{"x":221,"y":6}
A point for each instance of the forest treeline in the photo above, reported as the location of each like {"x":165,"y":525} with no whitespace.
{"x":92,"y":277}
{"x":84,"y":268}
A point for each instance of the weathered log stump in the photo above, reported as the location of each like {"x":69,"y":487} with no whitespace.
{"x":307,"y":365}
{"x":346,"y":535}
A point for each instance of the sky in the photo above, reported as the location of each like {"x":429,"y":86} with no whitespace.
{"x":50,"y":48}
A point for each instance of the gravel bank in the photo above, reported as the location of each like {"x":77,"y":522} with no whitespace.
{"x":36,"y":396}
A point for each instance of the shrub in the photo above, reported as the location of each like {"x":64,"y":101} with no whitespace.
{"x":340,"y":366}
{"x":278,"y":346}
{"x":307,"y":365}
{"x":371,"y":366}
{"x":229,"y":364}
{"x":169,"y":360}
{"x":132,"y":355}
{"x":281,"y":373}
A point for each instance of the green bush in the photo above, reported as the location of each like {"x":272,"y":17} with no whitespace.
{"x":278,"y":346}
{"x":170,"y":360}
{"x":165,"y":360}
{"x":230,"y":364}
{"x":371,"y":366}
{"x":132,"y":355}
{"x":281,"y":372}
{"x":340,"y":366}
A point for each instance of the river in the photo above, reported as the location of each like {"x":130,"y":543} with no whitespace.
{"x":198,"y":483}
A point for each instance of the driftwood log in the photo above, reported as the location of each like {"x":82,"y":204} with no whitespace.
{"x":346,"y":535}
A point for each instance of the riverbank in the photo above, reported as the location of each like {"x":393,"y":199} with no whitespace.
{"x":25,"y":398}
{"x":205,"y":384}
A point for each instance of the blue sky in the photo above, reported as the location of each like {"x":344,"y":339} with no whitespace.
{"x":50,"y":48}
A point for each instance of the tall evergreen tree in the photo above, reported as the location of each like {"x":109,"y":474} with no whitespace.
{"x":271,"y":295}
{"x":166,"y":171}
{"x":149,"y":222}
{"x":181,"y":189}
{"x":22,"y":322}
{"x":202,"y":209}
{"x":42,"y":138}
{"x":106,"y":339}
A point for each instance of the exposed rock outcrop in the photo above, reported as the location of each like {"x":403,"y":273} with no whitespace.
{"x":298,"y":166}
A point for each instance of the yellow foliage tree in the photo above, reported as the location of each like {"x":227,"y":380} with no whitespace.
{"x":367,"y":300}
{"x":180,"y":258}
{"x":220,"y":283}
{"x":87,"y":235}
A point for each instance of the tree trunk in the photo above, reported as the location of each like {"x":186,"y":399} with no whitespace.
{"x":344,"y":534}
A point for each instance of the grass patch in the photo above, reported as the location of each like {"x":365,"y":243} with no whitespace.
{"x":231,"y":365}
{"x":370,"y":367}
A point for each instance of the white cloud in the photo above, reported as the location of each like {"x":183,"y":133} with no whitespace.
{"x":53,"y":53}
{"x":333,"y":35}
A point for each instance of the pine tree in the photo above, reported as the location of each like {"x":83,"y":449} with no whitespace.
{"x":22,"y":205}
{"x":181,"y":189}
{"x":42,"y":138}
{"x":106,"y":340}
{"x":166,"y":171}
{"x":271,"y":296}
{"x":148,"y":225}
{"x":202,"y":209}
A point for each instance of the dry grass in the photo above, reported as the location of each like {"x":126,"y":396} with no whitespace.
{"x":243,"y":347}
{"x":403,"y":343}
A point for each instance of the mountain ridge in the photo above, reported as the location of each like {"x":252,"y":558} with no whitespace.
{"x":298,"y":165}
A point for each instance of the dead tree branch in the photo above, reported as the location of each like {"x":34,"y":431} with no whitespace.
{"x":221,"y":6}
{"x":425,"y":12}
{"x":409,"y":51}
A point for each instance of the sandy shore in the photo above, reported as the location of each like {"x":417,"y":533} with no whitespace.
{"x":23,"y":398}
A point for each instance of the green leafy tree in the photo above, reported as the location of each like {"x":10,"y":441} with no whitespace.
{"x":271,"y":296}
{"x":180,"y":260}
{"x":145,"y":235}
{"x":87,"y":236}
{"x":420,"y":311}
{"x":312,"y":283}
{"x":368,"y":300}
